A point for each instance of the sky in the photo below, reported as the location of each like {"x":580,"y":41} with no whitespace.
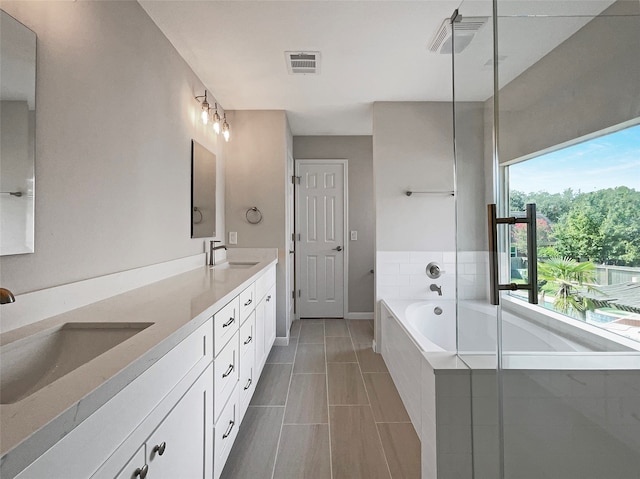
{"x":605,"y":162}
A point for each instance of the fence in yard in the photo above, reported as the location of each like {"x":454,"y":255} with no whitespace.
{"x":606,"y":274}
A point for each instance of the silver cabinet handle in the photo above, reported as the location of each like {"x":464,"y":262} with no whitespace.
{"x":228,"y":323}
{"x":338,"y":248}
{"x":248,"y":384}
{"x":228,"y":431}
{"x":229,"y":371}
{"x":248,"y":340}
{"x":268,"y":298}
{"x":160,"y":448}
{"x":532,"y":254}
{"x":249,"y":301}
{"x":141,"y":472}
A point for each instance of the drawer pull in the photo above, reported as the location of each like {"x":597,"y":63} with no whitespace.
{"x":228,"y":323}
{"x":249,"y":301}
{"x":229,"y":371}
{"x":248,"y":340}
{"x":268,"y":298}
{"x":160,"y":448}
{"x":228,"y":431}
{"x":248,"y":384}
{"x":141,"y":472}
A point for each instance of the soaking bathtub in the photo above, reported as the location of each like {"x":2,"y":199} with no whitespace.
{"x":432,"y":326}
{"x":442,"y":376}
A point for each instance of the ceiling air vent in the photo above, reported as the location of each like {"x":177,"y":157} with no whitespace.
{"x":465,"y":28}
{"x":305,"y":63}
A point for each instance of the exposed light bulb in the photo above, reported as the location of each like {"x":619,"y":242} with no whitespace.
{"x":205,"y":112}
{"x":225,"y":128}
{"x":216,"y":121}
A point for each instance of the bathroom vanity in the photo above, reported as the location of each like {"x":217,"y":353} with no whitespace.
{"x":168,"y":400}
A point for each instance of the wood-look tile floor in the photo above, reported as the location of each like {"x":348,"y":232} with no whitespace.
{"x":325,"y":408}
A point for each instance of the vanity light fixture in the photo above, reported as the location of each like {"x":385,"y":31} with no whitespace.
{"x":216,"y":120}
{"x":205,"y":108}
{"x":225,"y":128}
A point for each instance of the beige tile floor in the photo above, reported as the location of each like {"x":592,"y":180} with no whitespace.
{"x":325,"y":407}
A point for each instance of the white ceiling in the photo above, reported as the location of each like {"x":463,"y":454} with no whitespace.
{"x":371,"y":51}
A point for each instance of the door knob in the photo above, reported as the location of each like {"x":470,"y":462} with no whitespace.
{"x":339,"y":248}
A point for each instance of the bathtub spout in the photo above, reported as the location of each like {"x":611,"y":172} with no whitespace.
{"x":435,"y":287}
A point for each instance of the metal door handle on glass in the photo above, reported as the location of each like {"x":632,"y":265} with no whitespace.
{"x":532,"y":254}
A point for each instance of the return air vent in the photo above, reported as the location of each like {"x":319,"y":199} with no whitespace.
{"x":305,"y":63}
{"x":465,"y":28}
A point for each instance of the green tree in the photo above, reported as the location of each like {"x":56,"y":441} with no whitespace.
{"x":602,"y":226}
{"x":552,"y":205}
{"x":564,"y":277}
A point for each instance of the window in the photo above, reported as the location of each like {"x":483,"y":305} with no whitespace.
{"x":588,"y":229}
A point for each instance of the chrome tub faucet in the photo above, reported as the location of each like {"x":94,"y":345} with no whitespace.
{"x":435,"y":287}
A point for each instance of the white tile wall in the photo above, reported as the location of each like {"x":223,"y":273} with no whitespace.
{"x":473,"y":279}
{"x":402,"y":274}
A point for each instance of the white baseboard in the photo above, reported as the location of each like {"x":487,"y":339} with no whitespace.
{"x":359,"y":315}
{"x":38,"y":305}
{"x":281,"y":341}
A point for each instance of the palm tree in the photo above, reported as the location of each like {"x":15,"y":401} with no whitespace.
{"x":564,"y":277}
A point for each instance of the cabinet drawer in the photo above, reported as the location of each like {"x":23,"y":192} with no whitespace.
{"x":247,"y":334}
{"x":225,"y":432}
{"x":248,"y":380}
{"x":264,"y":282}
{"x":225,"y":374}
{"x":225,"y":324}
{"x":247,"y":302}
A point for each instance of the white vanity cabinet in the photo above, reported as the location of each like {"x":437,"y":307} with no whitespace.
{"x":170,"y":396}
{"x":175,"y":448}
{"x":180,"y":417}
{"x":265,"y":316}
{"x":248,"y":380}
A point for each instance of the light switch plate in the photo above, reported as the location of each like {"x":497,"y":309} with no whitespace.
{"x":233,"y":237}
{"x":354,"y":235}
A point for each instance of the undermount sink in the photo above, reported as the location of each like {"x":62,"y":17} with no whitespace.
{"x":235,"y":265}
{"x":29,"y":364}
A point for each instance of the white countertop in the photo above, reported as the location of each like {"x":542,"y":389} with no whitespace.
{"x":176,"y":306}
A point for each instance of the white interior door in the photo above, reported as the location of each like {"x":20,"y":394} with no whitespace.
{"x":321,"y":247}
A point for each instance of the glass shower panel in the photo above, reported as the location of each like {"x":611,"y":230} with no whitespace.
{"x":569,"y":367}
{"x":473,"y":86}
{"x":473,"y":120}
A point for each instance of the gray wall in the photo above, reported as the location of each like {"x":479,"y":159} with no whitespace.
{"x":413,"y":150}
{"x":471,"y":204}
{"x":115,"y":116}
{"x":358,"y":150}
{"x":255,"y":176}
{"x":588,"y":83}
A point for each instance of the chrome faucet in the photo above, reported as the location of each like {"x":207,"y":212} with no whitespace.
{"x":212,"y":256}
{"x":6,"y":296}
{"x":435,"y":287}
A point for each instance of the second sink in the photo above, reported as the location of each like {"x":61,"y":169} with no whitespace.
{"x":235,"y":265}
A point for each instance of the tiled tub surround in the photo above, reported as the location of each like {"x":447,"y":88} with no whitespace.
{"x":402,"y":274}
{"x":176,"y":307}
{"x":326,"y":407}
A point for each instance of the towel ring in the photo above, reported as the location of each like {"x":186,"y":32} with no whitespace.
{"x":253,"y":215}
{"x":197,"y":210}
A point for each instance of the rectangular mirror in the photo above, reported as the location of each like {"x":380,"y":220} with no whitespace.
{"x":17,"y":136}
{"x":203,"y":191}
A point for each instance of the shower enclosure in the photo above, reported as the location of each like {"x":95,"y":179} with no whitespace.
{"x":554,"y":389}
